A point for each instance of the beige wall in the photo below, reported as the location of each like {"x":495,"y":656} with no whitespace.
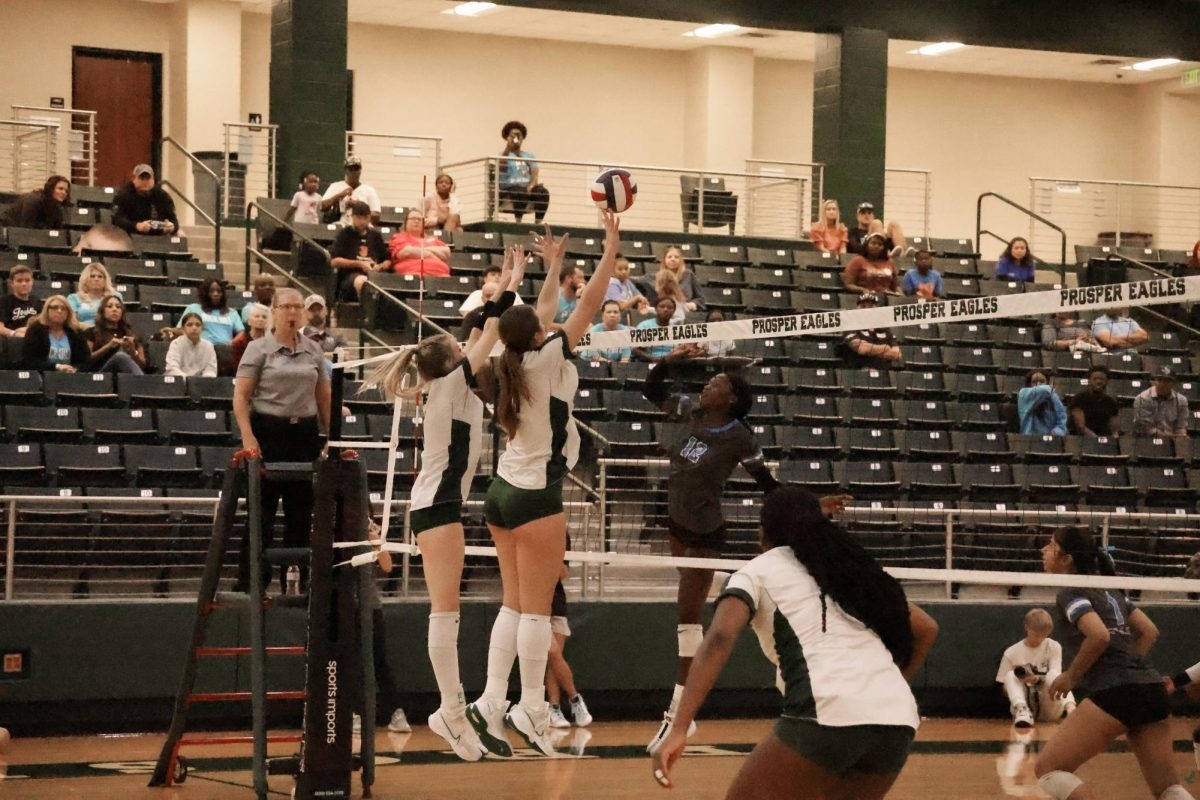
{"x":783,"y":110}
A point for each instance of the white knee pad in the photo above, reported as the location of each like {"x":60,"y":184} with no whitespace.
{"x":690,"y":637}
{"x":1059,"y":784}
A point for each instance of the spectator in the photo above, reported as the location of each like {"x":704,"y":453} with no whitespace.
{"x":318,"y":329}
{"x":221,"y":323}
{"x":264,"y":293}
{"x":414,"y":253}
{"x":828,"y":233}
{"x":1038,"y":407}
{"x":1016,"y":262}
{"x":873,"y":348}
{"x":19,"y":305}
{"x":53,"y":341}
{"x":357,"y":252}
{"x":306,"y":203}
{"x":923,"y":281}
{"x":42,"y":208}
{"x":1160,"y":410}
{"x":113,"y":345}
{"x":1093,"y":411}
{"x":106,"y":239}
{"x":717,"y":348}
{"x":665,"y":285}
{"x":570,"y":286}
{"x":663,"y":310}
{"x":1027,"y":670}
{"x":190,"y":355}
{"x":624,"y":291}
{"x":258,"y":322}
{"x":441,"y":207}
{"x":344,"y":194}
{"x":476,"y":299}
{"x":672,"y":262}
{"x":475,"y":317}
{"x":94,"y":285}
{"x":141,"y":207}
{"x":1118,"y":331}
{"x":519,"y":169}
{"x":893,"y":236}
{"x":1060,"y":332}
{"x":610,"y":320}
{"x":872,"y":270}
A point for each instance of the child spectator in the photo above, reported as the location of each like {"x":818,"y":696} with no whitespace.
{"x":1016,"y":262}
{"x":717,"y":348}
{"x":519,"y":185}
{"x":306,"y":203}
{"x":441,"y":206}
{"x":664,"y":309}
{"x":190,"y":355}
{"x":624,"y":291}
{"x":19,"y":305}
{"x":923,"y":281}
{"x":1028,"y":668}
{"x":358,"y":251}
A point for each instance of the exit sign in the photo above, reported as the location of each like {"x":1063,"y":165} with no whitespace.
{"x":1191,"y":77}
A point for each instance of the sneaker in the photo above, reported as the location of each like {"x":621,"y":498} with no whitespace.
{"x":557,"y":720}
{"x":487,"y":718}
{"x":356,"y":725}
{"x":458,"y":733}
{"x":533,"y":725}
{"x":578,"y":744}
{"x":664,"y":729}
{"x":580,"y":713}
{"x":399,"y":723}
{"x":1022,"y":718}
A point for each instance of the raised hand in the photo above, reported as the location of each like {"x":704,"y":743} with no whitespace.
{"x":549,"y":248}
{"x":612,"y":230}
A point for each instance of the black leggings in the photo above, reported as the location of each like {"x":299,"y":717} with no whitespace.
{"x":523,"y":199}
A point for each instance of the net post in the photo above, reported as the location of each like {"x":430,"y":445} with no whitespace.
{"x":603,"y":490}
{"x":949,"y":553}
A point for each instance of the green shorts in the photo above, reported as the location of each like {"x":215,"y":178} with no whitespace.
{"x":508,"y":507}
{"x":870,"y":749}
{"x":423,"y":519}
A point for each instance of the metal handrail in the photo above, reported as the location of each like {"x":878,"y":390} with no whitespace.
{"x":1062,"y":262}
{"x":216,"y":226}
{"x":254,"y":205}
{"x":601,"y":163}
{"x":165,"y":184}
{"x":1114,"y":183}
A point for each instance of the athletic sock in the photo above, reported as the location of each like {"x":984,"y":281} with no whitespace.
{"x":443,"y":656}
{"x":502,"y":651}
{"x":676,"y":694}
{"x":533,"y":648}
{"x":1175,"y":792}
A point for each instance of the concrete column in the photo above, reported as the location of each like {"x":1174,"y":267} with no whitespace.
{"x":719,"y":128}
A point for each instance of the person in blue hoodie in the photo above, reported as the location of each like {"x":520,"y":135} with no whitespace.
{"x":1039,"y":408}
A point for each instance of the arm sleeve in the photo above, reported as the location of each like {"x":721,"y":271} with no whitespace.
{"x":251,"y":364}
{"x":35,"y":350}
{"x":1006,"y":666}
{"x":121,"y":211}
{"x":744,"y":588}
{"x":1055,"y":658}
{"x":167,"y":209}
{"x":1181,"y":419}
{"x":693,"y":289}
{"x":379,"y":250}
{"x":1074,"y":603}
{"x":344,"y":244}
{"x":1143,"y":415}
{"x":655,"y":388}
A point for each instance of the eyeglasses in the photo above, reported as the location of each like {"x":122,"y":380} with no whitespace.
{"x":290,"y":306}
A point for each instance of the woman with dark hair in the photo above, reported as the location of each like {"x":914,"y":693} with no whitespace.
{"x":524,"y":506}
{"x":873,"y":270}
{"x":221,"y":323}
{"x":1125,"y":694}
{"x":113,"y":344}
{"x":1039,"y":409}
{"x":42,"y":208}
{"x":1016,"y":262}
{"x":844,"y":640}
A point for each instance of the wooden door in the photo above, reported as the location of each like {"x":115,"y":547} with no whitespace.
{"x":125,"y":90}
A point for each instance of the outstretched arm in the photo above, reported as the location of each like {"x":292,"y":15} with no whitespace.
{"x":479,"y":346}
{"x":552,"y":251}
{"x":597,"y":285}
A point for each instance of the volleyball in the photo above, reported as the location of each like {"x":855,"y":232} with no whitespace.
{"x":614,"y":189}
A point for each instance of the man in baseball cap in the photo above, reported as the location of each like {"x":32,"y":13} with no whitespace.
{"x":318,"y":329}
{"x":140,"y":206}
{"x":867,"y":223}
{"x":872,"y":348}
{"x":351,"y":190}
{"x":1160,"y":410}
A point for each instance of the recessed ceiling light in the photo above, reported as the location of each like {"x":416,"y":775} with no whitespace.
{"x":472,"y":9}
{"x":937,"y":49}
{"x":1152,"y":64}
{"x":713,"y":31}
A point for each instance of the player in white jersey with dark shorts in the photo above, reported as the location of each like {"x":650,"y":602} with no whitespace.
{"x":1188,"y":681}
{"x":452,"y":437}
{"x":844,"y":639}
{"x":524,"y":507}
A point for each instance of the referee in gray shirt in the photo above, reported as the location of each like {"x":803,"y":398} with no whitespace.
{"x":281,"y":402}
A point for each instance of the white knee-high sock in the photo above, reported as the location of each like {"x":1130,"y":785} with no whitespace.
{"x":443,"y":657}
{"x":676,"y":695}
{"x":533,"y":648}
{"x":502,"y":651}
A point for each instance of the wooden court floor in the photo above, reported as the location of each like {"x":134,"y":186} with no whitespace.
{"x":951,"y":760}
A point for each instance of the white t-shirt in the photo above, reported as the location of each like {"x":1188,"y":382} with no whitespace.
{"x":831,"y":668}
{"x":1046,"y":658}
{"x":475,"y":300}
{"x":308,"y":207}
{"x":361,"y":192}
{"x":546,"y":446}
{"x":453,"y":437}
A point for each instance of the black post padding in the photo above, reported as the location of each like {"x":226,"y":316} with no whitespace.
{"x":337,"y":391}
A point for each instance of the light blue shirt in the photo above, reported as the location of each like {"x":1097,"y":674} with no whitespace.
{"x":614,"y":354}
{"x":86,"y":310}
{"x":913,"y":279}
{"x":656,"y":350}
{"x":621,"y":291}
{"x":517,"y":168}
{"x":565,"y":307}
{"x":60,"y":350}
{"x":219,"y":326}
{"x":1121,"y":326}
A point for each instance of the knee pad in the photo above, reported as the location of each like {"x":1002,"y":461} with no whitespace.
{"x":690,"y":637}
{"x":1059,"y":784}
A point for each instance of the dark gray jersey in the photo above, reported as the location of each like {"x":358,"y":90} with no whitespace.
{"x":1120,"y":663}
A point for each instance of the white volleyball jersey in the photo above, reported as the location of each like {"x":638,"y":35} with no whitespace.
{"x":453,"y":434}
{"x":546,"y":446}
{"x":1045,"y":658}
{"x":831,"y":667}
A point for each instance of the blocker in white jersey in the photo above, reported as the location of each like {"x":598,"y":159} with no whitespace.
{"x":452,"y":434}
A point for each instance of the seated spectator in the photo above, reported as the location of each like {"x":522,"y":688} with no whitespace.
{"x":19,"y":305}
{"x":663,"y":310}
{"x":1016,"y":262}
{"x":140,"y":206}
{"x":872,"y":271}
{"x":894,"y":242}
{"x":441,"y":207}
{"x":624,"y":291}
{"x":414,"y":253}
{"x":190,"y":355}
{"x":1118,"y":331}
{"x":318,"y":329}
{"x":113,"y":345}
{"x":1061,"y":332}
{"x":570,"y":285}
{"x":873,"y":348}
{"x":1093,"y":412}
{"x":1028,"y":670}
{"x":344,"y":194}
{"x":1160,"y":410}
{"x":258,"y":322}
{"x":474,"y":317}
{"x":357,"y":252}
{"x":689,"y":286}
{"x":54,"y":341}
{"x":106,"y":239}
{"x":717,"y":348}
{"x":1038,"y":407}
{"x":94,"y":285}
{"x":221,"y":323}
{"x":264,"y":293}
{"x":923,"y":281}
{"x":476,"y":299}
{"x":610,"y":320}
{"x":519,"y":185}
{"x":306,"y":203}
{"x":42,"y":208}
{"x":828,"y":233}
{"x":665,"y":285}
